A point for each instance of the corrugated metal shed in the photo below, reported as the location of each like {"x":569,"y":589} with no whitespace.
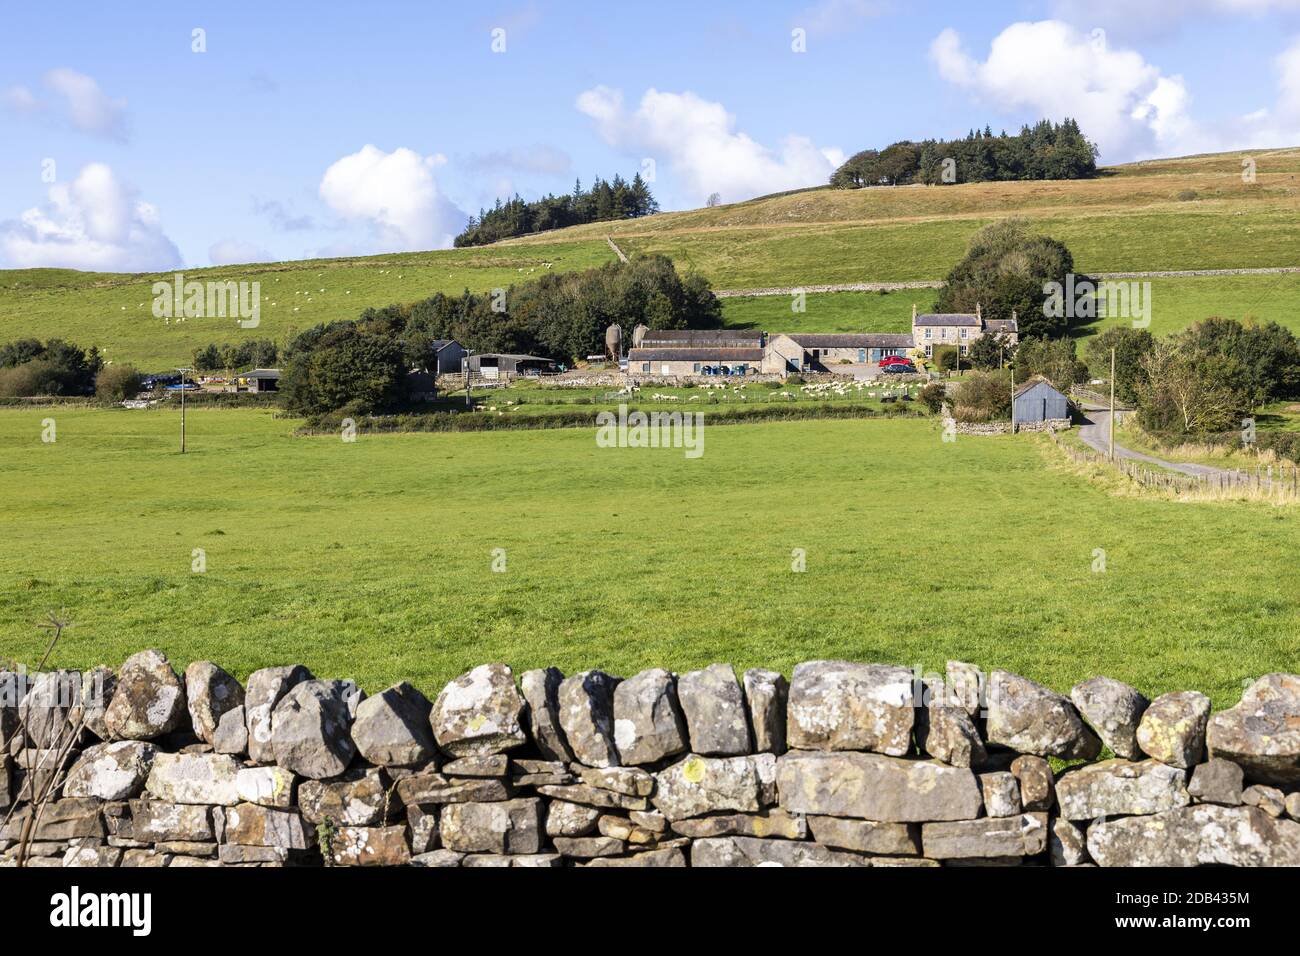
{"x":1038,"y":401}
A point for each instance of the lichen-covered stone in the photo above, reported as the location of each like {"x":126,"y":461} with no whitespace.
{"x":564,"y":819}
{"x":876,"y":787}
{"x":97,"y":687}
{"x":211,"y":694}
{"x":867,"y":836}
{"x":749,"y":851}
{"x":964,"y":686}
{"x":149,"y":699}
{"x":586,"y":703}
{"x":1262,"y":733}
{"x":45,"y":710}
{"x":1172,"y":729}
{"x":648,"y":721}
{"x":1001,"y":791}
{"x":310,"y":730}
{"x":839,"y":705}
{"x":506,"y":826}
{"x":1269,"y":799}
{"x":479,"y":712}
{"x":1036,"y":782}
{"x":358,"y":799}
{"x":766,"y":693}
{"x":656,"y":859}
{"x":1217,"y":781}
{"x":156,"y":821}
{"x":1119,"y":788}
{"x":717,"y":718}
{"x":1202,"y":835}
{"x":111,"y":771}
{"x":481,"y":765}
{"x":1114,"y":709}
{"x":541,"y":692}
{"x":766,"y":824}
{"x":1067,"y":843}
{"x":370,"y":846}
{"x":266,"y":786}
{"x":194,"y":778}
{"x":1017,"y":836}
{"x":948,"y":734}
{"x":231,"y":735}
{"x":699,"y":785}
{"x":632,"y":781}
{"x":266,"y":688}
{"x":249,"y":824}
{"x":1032,"y":719}
{"x":392,"y":728}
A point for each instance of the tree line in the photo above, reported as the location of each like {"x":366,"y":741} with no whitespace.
{"x":361,"y":364}
{"x":604,"y":201}
{"x":1045,"y":150}
{"x":29,"y":367}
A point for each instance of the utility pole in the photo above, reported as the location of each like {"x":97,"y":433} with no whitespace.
{"x":1112,"y":404}
{"x":464,"y":364}
{"x":183,"y":371}
{"x":1013,"y":401}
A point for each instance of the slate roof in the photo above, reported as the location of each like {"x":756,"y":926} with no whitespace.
{"x":695,"y":355}
{"x":947,"y":319}
{"x":701,"y":338}
{"x":852,"y":340}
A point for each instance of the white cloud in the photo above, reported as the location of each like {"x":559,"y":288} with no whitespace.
{"x":225,"y":252}
{"x":396,"y":194}
{"x":85,"y":106}
{"x":89,"y":108}
{"x":1152,"y":18}
{"x":836,"y":16}
{"x":93,"y":223}
{"x":1129,"y":107}
{"x":21,"y":99}
{"x":538,"y":158}
{"x":697,"y":140}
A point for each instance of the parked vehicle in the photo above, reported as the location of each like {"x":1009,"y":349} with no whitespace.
{"x":897,"y":369}
{"x":894,"y":360}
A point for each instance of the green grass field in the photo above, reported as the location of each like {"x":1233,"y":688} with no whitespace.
{"x":372,"y":559}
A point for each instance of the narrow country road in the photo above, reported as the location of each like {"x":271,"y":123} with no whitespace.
{"x":1095,"y":433}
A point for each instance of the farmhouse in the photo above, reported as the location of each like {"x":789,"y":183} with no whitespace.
{"x":1038,"y":401}
{"x":958,"y":328}
{"x":817,"y":352}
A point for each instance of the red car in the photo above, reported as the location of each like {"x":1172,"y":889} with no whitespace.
{"x":895,"y":360}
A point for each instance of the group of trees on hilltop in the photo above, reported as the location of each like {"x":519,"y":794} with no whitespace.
{"x":604,"y":201}
{"x":1046,"y":150}
{"x":362,"y":363}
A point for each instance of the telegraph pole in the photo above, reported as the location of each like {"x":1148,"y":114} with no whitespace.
{"x":1112,"y":404}
{"x":183,"y":371}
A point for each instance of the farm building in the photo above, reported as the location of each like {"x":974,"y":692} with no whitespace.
{"x":1038,"y":401}
{"x":259,"y":380}
{"x":958,"y":328}
{"x":701,"y":338}
{"x":816,"y":352}
{"x":501,"y":365}
{"x":694,"y":360}
{"x":450,"y":354}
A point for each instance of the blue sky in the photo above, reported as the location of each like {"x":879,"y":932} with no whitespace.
{"x":328,"y":129}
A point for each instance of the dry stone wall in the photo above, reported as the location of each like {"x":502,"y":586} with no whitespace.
{"x":845,"y":764}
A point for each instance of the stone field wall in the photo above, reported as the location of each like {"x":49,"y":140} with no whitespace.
{"x":846,"y":764}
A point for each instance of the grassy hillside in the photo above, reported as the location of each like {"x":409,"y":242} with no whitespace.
{"x":1179,"y":214}
{"x":372,"y":559}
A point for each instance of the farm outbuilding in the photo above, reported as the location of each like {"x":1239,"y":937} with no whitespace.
{"x":500,"y":365}
{"x":259,"y":380}
{"x":450,"y":355}
{"x":820,"y":352}
{"x":693,"y":361}
{"x":1038,"y":401}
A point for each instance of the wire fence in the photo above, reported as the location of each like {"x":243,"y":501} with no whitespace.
{"x":1273,"y":482}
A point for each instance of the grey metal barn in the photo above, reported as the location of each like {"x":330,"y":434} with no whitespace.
{"x":1038,"y":401}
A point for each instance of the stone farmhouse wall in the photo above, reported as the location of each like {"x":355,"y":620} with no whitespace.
{"x":846,"y":764}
